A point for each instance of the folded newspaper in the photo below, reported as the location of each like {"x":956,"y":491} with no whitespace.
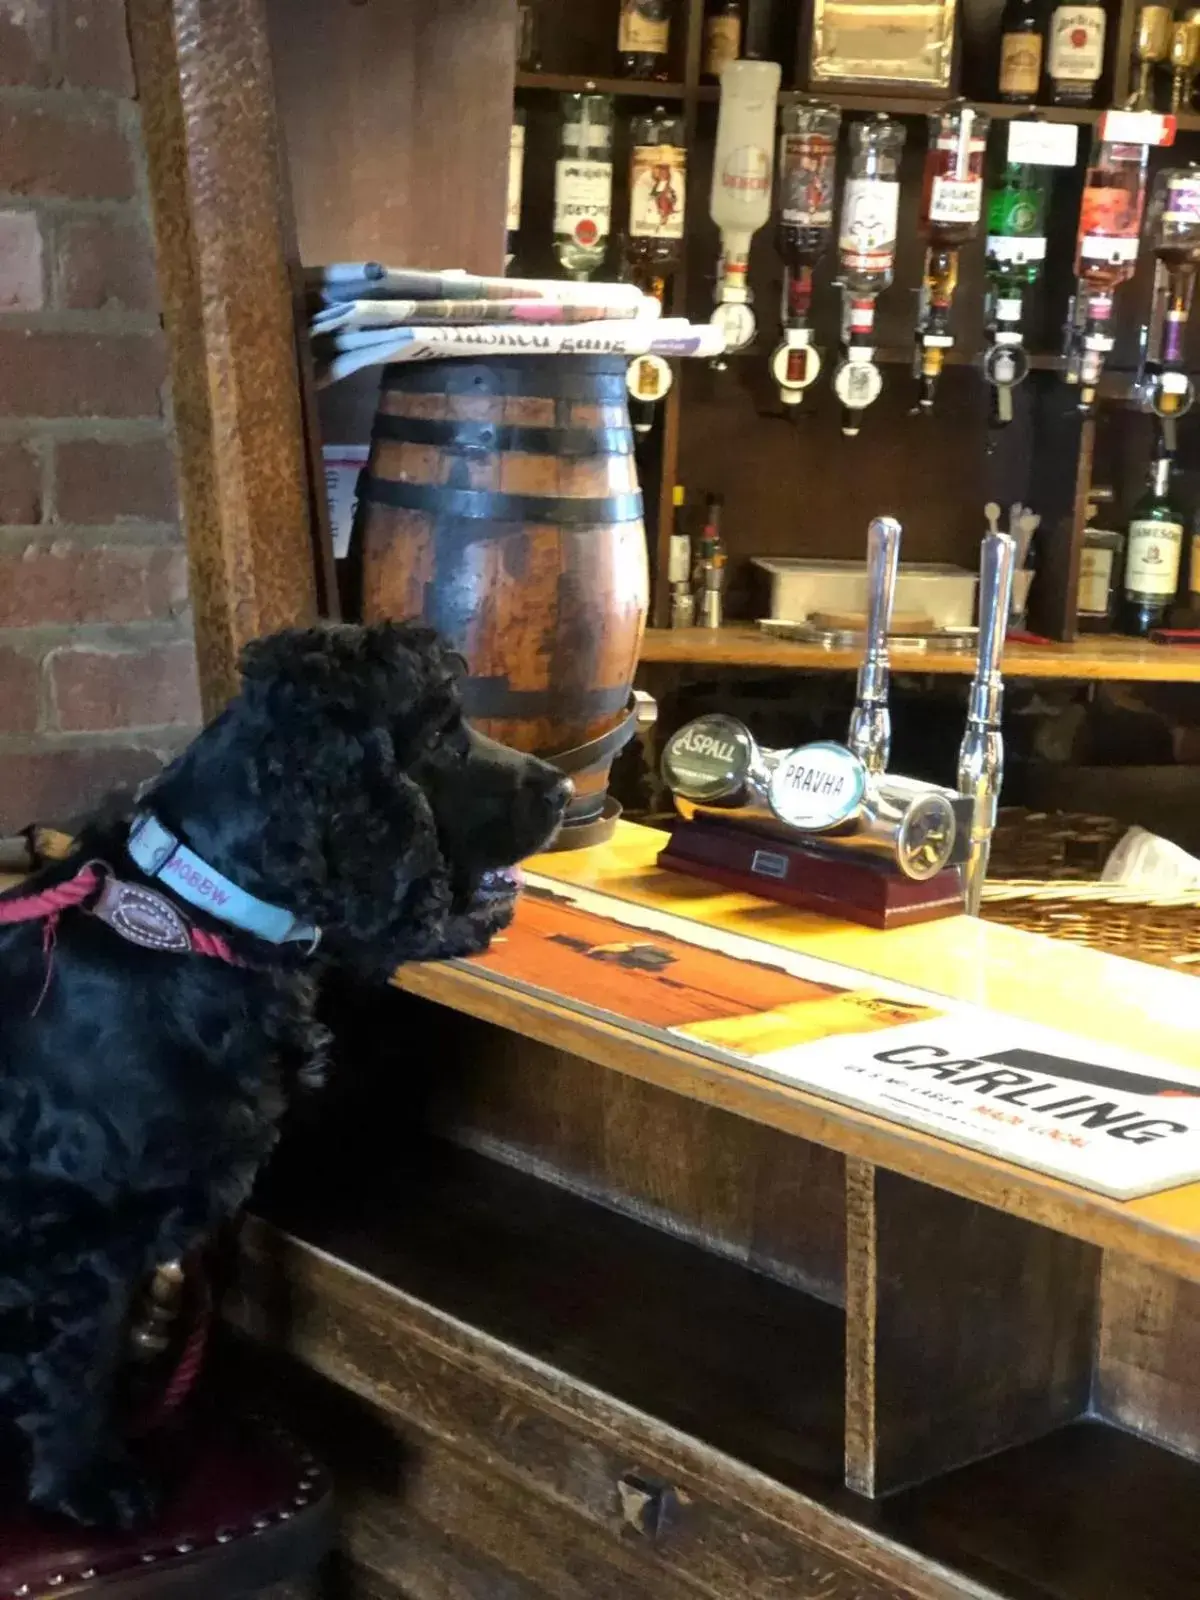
{"x":364,"y":314}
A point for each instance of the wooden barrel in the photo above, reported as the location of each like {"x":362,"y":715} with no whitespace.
{"x":501,"y":505}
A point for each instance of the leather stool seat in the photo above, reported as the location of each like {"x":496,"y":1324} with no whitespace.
{"x":246,"y":1507}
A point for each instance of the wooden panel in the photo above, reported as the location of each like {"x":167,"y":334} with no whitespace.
{"x":730,"y":1531}
{"x":221,"y":222}
{"x":396,"y":119}
{"x":1148,"y":1360}
{"x":967,"y":1331}
{"x":749,"y":1192}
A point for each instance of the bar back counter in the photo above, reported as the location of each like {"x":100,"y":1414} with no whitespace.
{"x":575,"y":1314}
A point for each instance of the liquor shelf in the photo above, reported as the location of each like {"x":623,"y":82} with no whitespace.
{"x":1095,"y":657}
{"x":911,"y":105}
{"x":578,"y":83}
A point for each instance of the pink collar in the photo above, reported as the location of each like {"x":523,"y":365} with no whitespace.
{"x":142,"y":916}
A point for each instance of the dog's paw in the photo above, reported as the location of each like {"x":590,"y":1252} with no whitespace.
{"x":108,"y":1494}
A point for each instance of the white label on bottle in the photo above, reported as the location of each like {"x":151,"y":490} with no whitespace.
{"x":1183,"y":200}
{"x":1136,"y":128}
{"x":1152,"y":564}
{"x":870,"y":207}
{"x":587,"y":136}
{"x":746,"y":173}
{"x":344,"y":465}
{"x":1008,"y":311}
{"x":956,"y":200}
{"x":1077,"y":44}
{"x":516,"y":175}
{"x":583,"y":199}
{"x":1012,"y":248}
{"x":1095,"y":581}
{"x":657,"y":187}
{"x":1043,"y":144}
{"x":1101,"y":247}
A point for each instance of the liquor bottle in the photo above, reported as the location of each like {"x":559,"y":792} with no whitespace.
{"x":866,"y":257}
{"x":807,"y":184}
{"x":654,"y":240}
{"x":644,"y":38}
{"x":1016,"y":250}
{"x":1022,"y":43}
{"x":1076,"y":53}
{"x":722,"y":37}
{"x":710,"y":566}
{"x":583,"y":184}
{"x":740,"y":199}
{"x":1187,"y":613}
{"x":516,"y":185}
{"x":1098,"y":561}
{"x":1173,"y":230}
{"x":1110,"y":220}
{"x":1154,"y":546}
{"x":657,"y":199}
{"x":951,"y":208}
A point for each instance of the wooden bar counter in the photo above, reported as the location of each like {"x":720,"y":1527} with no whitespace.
{"x":574,"y":1314}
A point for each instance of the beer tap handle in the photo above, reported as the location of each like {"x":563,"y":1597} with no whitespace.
{"x":870,"y":735}
{"x":981,"y":756}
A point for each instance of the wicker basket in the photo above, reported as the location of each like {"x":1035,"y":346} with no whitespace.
{"x":1043,"y":877}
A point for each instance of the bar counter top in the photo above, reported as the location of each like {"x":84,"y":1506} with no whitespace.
{"x":1101,"y":997}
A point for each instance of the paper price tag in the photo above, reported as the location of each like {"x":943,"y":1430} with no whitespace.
{"x":1136,"y":127}
{"x":343,"y":464}
{"x":1043,"y":144}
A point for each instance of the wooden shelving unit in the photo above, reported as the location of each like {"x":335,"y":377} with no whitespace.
{"x":805,"y":490}
{"x":1094,"y":658}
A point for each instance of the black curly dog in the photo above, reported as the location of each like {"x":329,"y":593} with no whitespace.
{"x":139,"y":1098}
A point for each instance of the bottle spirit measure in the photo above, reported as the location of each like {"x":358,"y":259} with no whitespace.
{"x":807,"y":185}
{"x":866,"y":258}
{"x":1110,"y":220}
{"x":654,"y":248}
{"x":1173,"y":232}
{"x":951,"y":206}
{"x":1016,"y":251}
{"x":741,"y":186}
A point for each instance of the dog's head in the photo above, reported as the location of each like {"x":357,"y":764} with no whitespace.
{"x":344,"y":784}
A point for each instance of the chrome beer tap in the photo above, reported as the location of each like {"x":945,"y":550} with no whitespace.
{"x":981,"y":757}
{"x":870,"y":734}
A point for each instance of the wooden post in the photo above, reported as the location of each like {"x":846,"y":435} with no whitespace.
{"x":212,"y":146}
{"x":968,"y":1331}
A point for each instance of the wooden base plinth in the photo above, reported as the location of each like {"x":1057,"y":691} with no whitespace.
{"x":853,"y":887}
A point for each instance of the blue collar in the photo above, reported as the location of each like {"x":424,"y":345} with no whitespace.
{"x":160,"y":855}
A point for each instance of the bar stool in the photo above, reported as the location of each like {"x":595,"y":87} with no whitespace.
{"x":247,"y":1508}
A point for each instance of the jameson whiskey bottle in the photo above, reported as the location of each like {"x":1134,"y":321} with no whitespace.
{"x":583,"y":184}
{"x":722,"y":36}
{"x":644,"y":38}
{"x":1076,"y":53}
{"x":1152,"y":553}
{"x":1021,"y":45}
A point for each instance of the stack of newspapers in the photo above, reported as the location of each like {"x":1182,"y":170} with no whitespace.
{"x":365,"y":315}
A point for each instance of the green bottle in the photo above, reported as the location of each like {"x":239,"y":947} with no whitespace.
{"x":1153,"y":548}
{"x":1016,"y":244}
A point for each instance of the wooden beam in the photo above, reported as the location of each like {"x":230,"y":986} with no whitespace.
{"x":212,"y":145}
{"x":967,"y":1331}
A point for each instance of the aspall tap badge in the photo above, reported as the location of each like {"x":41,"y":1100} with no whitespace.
{"x":818,"y":787}
{"x":708,"y":760}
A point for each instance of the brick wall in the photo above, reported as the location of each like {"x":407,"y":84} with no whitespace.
{"x":97,"y":669}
